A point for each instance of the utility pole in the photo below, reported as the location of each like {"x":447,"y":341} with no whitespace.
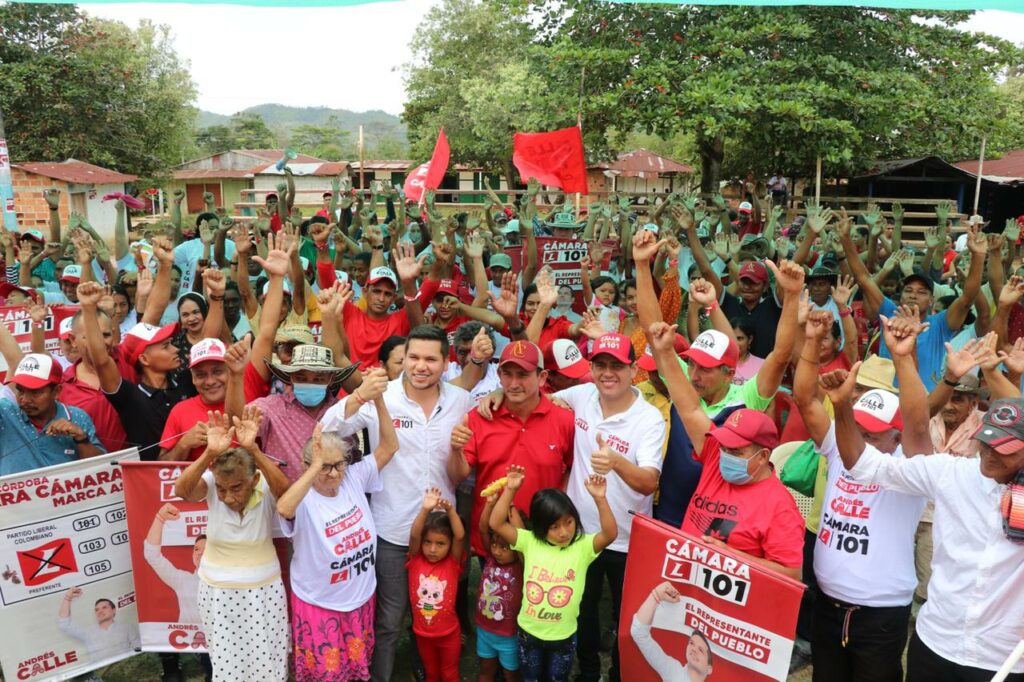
{"x":10,"y":219}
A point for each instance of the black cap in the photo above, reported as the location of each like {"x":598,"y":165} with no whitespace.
{"x":1002,"y":427}
{"x":823,"y":271}
{"x":919,"y":275}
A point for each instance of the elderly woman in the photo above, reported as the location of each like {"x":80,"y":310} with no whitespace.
{"x":241,"y":597}
{"x":327,"y":515}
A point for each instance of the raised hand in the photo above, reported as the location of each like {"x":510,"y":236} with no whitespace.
{"x":90,"y":293}
{"x":604,"y":459}
{"x":901,"y":331}
{"x":839,"y":384}
{"x":977,"y":244}
{"x":662,"y":336}
{"x":236,"y":357}
{"x":163,"y":251}
{"x":375,"y":382}
{"x":507,"y":303}
{"x":168,"y":512}
{"x":932,"y":238}
{"x":1012,"y":292}
{"x":408,"y":265}
{"x":1012,"y":230}
{"x":819,"y":324}
{"x":38,"y":311}
{"x":514,"y":477}
{"x":546,"y":289}
{"x":206,"y":233}
{"x":597,"y":486}
{"x":844,"y":290}
{"x":591,"y":325}
{"x":52,"y":197}
{"x":474,"y":246}
{"x":482,"y":349}
{"x":277,"y":262}
{"x":702,"y":292}
{"x":1014,"y":360}
{"x":961,"y":361}
{"x":721,"y":246}
{"x":532,"y":188}
{"x":431,"y":499}
{"x":897,"y":212}
{"x":942,"y":211}
{"x":788,"y":276}
{"x":817,"y":217}
{"x":248,"y":426}
{"x":217,"y":435}
{"x":872,"y":217}
{"x":719,"y":201}
{"x":215,"y":282}
{"x":906,"y":262}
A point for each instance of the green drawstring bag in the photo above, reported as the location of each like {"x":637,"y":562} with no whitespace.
{"x":801,"y":469}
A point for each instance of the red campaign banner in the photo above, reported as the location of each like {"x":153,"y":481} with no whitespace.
{"x":563,"y":256}
{"x":554,"y":158}
{"x":429,"y":175}
{"x":165,"y":556}
{"x":688,"y":607}
{"x":18,"y":322}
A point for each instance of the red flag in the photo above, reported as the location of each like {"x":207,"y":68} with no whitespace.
{"x":554,"y":158}
{"x":429,"y":175}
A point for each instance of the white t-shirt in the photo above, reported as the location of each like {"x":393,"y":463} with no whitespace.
{"x":487,"y":384}
{"x":421,"y":462}
{"x":239,"y":550}
{"x":335,"y":542}
{"x":101,"y":642}
{"x":865,"y":549}
{"x":187,"y":255}
{"x":638,"y":434}
{"x":184,"y":583}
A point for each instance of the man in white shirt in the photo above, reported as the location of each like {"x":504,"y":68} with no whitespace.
{"x":864,"y":553}
{"x":618,"y":435}
{"x":425,"y":411}
{"x":106,"y":638}
{"x":974,"y":615}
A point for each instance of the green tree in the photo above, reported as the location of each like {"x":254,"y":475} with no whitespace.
{"x":781,"y":84}
{"x":249,"y":131}
{"x":322,"y":141}
{"x":92,"y":89}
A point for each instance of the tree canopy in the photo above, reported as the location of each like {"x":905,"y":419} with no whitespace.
{"x":92,"y":89}
{"x":755,"y":88}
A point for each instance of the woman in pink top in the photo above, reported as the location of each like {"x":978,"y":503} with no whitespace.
{"x":748,"y":365}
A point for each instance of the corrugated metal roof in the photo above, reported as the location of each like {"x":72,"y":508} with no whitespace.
{"x":1008,"y":168}
{"x":392,"y":165}
{"x":643,"y":163}
{"x":275,"y":155}
{"x":77,"y":172}
{"x":327,"y":169}
{"x":210,"y":173}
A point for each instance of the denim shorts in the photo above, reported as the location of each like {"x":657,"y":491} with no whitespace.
{"x":505,"y":649}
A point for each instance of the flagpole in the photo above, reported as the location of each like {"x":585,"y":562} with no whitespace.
{"x":579,"y":124}
{"x":817,"y":182}
{"x":10,"y":218}
{"x":362,"y":185}
{"x":977,"y":182}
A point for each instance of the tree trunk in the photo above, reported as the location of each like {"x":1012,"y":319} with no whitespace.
{"x":712,"y":152}
{"x":510,"y":179}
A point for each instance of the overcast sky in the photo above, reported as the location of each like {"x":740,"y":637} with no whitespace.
{"x":341,"y":57}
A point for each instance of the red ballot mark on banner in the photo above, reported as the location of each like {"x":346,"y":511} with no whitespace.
{"x":47,"y":562}
{"x":429,"y":175}
{"x":554,"y":158}
{"x":688,"y":606}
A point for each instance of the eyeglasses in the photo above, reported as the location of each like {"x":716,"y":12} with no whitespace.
{"x":337,"y":466}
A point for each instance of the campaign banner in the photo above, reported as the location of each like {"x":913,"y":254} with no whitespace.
{"x":167,"y":536}
{"x":18,"y":322}
{"x":563,"y":257}
{"x":67,"y":599}
{"x":696,"y":611}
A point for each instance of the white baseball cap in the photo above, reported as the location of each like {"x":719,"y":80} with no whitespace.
{"x":878,"y":411}
{"x":377,"y":274}
{"x":564,"y":357}
{"x":65,"y":327}
{"x":35,"y":371}
{"x":207,"y":350}
{"x":713,"y":349}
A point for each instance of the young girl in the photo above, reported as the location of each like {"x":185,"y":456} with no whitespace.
{"x":556,"y":556}
{"x":435,"y":563}
{"x":498,"y":600}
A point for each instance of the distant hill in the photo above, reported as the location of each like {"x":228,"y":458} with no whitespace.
{"x":376,"y":124}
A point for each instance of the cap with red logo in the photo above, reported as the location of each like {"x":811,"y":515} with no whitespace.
{"x":746,"y":207}
{"x":65,"y":327}
{"x":36,"y":370}
{"x":746,"y":427}
{"x":142,"y":336}
{"x":878,"y":411}
{"x":382,"y":273}
{"x":207,"y":350}
{"x":564,"y":356}
{"x":646,"y":361}
{"x":616,"y":345}
{"x":72,"y":273}
{"x":1002,"y":427}
{"x":34,"y":235}
{"x":522,"y":354}
{"x":713,"y":349}
{"x":754,"y":270}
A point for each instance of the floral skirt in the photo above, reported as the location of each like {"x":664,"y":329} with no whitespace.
{"x":332,"y":646}
{"x":246,"y":631}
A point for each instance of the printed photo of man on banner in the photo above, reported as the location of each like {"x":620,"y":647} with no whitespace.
{"x":167,"y":539}
{"x":67,"y":598}
{"x":694,"y":612}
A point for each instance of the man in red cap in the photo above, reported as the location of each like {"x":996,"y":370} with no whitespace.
{"x":38,"y":430}
{"x":620,"y":436}
{"x":527,"y":430}
{"x":859,"y":627}
{"x":739,"y":502}
{"x":565,"y":365}
{"x":184,"y":435}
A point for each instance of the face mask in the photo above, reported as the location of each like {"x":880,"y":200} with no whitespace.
{"x":733,"y":469}
{"x":309,"y":395}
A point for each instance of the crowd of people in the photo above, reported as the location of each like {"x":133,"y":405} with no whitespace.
{"x":412,"y":410}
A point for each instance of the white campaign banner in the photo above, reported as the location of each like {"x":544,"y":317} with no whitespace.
{"x":67,"y":597}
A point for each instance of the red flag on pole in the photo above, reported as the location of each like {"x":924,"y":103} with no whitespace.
{"x":554,"y":158}
{"x":429,"y":175}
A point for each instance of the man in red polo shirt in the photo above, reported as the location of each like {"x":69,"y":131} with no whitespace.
{"x":184,"y":435}
{"x":527,"y":430}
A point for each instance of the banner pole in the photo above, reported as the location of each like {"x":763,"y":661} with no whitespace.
{"x":1015,"y":655}
{"x":362,"y":185}
{"x":977,"y":182}
{"x":817,"y":182}
{"x":9,"y":217}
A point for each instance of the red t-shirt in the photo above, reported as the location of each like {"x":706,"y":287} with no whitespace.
{"x":366,"y":335}
{"x":93,"y":401}
{"x":543,"y":445}
{"x":759,"y":518}
{"x":554,"y":328}
{"x":183,"y":417}
{"x":432,"y":589}
{"x":254,"y":385}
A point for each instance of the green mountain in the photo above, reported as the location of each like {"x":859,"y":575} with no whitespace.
{"x":376,"y":124}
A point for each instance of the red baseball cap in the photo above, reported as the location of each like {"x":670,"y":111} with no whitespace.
{"x":564,"y":356}
{"x":754,"y":270}
{"x":878,"y":411}
{"x":1002,"y":427}
{"x":713,"y":349}
{"x":6,"y":289}
{"x":646,"y":361}
{"x":142,"y":336}
{"x":616,"y":345}
{"x":522,"y":354}
{"x":36,"y":370}
{"x":448,"y":286}
{"x":745,"y":427}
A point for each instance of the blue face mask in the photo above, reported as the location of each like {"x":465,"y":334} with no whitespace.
{"x":309,"y":395}
{"x":733,"y":468}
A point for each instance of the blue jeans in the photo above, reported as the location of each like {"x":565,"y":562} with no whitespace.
{"x":543,"y":661}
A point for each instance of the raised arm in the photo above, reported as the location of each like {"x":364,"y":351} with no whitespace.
{"x":661,"y":336}
{"x":957,"y":312}
{"x":789,"y":281}
{"x":431,"y":501}
{"x":190,"y":485}
{"x":873,"y":296}
{"x":388,"y":445}
{"x":900,"y":334}
{"x":276,"y":266}
{"x":805,"y":383}
{"x":288,"y":503}
{"x":499,"y":519}
{"x":89,"y":295}
{"x":161,"y":293}
{"x":246,"y":428}
{"x":409,"y":269}
{"x":597,"y":486}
